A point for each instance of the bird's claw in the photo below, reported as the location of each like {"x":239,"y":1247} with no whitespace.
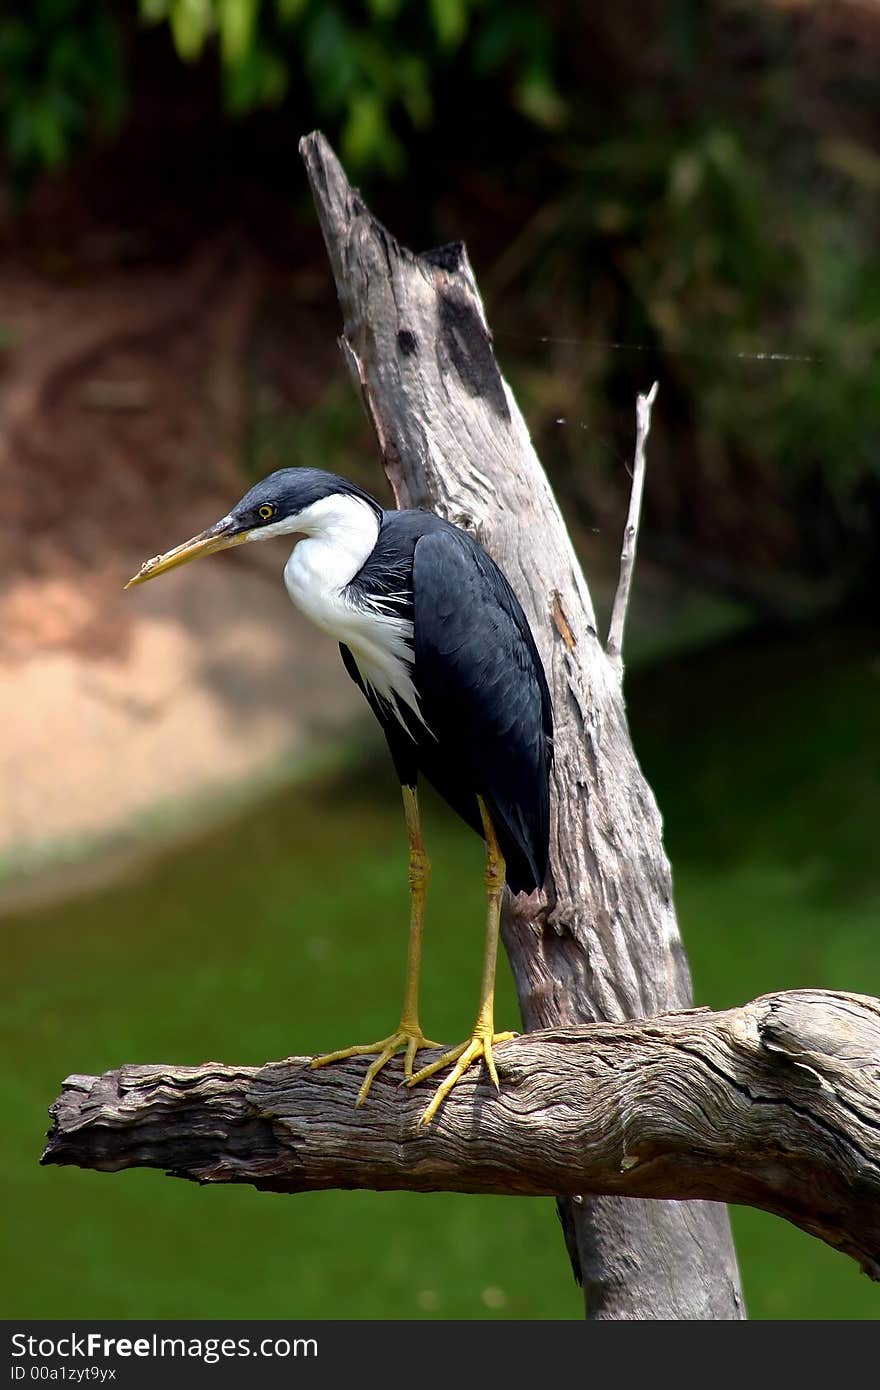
{"x":409,"y":1037}
{"x":478,"y":1046}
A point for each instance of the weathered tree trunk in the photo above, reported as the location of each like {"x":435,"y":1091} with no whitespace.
{"x":604,"y":942}
{"x":775,"y":1104}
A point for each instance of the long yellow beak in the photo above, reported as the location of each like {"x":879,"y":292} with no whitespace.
{"x":218,"y":537}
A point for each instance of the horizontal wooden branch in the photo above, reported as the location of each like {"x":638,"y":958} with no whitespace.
{"x":774,"y":1105}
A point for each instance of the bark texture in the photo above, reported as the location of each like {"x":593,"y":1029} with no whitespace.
{"x":776,"y":1105}
{"x":602,"y":942}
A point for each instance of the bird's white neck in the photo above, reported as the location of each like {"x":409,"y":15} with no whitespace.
{"x":340,"y":532}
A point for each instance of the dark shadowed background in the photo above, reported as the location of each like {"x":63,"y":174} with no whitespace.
{"x":201,"y":850}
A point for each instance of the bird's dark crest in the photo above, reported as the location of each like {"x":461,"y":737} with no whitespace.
{"x":291,"y":490}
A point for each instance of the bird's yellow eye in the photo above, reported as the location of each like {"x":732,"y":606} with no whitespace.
{"x":267,"y":512}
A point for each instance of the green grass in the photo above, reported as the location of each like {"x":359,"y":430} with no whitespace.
{"x":284,"y":931}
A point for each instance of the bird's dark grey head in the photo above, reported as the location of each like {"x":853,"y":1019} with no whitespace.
{"x":283,"y":503}
{"x":281,"y":498}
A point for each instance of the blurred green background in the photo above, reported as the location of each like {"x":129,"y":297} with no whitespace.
{"x":250,"y":943}
{"x":683,"y":190}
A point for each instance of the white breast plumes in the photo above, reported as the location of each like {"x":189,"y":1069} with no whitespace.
{"x":340,"y":533}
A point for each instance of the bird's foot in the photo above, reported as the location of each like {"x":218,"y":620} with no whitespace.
{"x":479,"y":1045}
{"x":408,"y":1036}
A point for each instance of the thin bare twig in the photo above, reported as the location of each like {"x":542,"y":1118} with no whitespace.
{"x":614,"y":645}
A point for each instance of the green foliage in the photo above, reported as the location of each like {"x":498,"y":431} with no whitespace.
{"x":369,"y":68}
{"x":717,"y":218}
{"x":719,"y":254}
{"x":682,"y":188}
{"x":62,"y":81}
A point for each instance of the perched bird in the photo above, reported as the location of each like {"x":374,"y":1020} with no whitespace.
{"x":433,"y":634}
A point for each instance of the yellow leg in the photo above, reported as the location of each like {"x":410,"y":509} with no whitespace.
{"x":480,"y":1043}
{"x":409,"y":1034}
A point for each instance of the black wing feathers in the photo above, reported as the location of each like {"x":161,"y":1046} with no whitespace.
{"x":488,"y":723}
{"x":484,"y":696}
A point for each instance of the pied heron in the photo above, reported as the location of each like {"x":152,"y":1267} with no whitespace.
{"x":432,"y":633}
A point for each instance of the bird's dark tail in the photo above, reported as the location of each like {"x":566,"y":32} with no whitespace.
{"x":565,"y":1212}
{"x":524,"y":842}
